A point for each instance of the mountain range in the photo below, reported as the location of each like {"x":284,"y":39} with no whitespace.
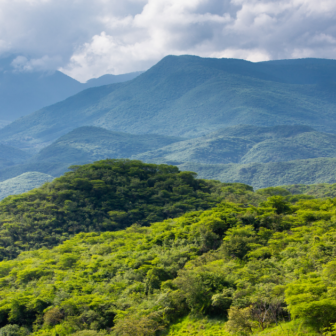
{"x":264,"y":124}
{"x":23,"y":91}
{"x":246,"y":144}
{"x":255,"y":155}
{"x":189,"y":96}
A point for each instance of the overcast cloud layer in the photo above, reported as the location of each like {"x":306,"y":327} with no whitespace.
{"x":89,"y":38}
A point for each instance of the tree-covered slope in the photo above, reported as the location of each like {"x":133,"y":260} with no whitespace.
{"x":266,"y":155}
{"x":82,"y":145}
{"x":190,"y":96}
{"x":23,"y":183}
{"x":321,"y":190}
{"x":262,"y":175}
{"x":247,"y":144}
{"x":234,"y":269}
{"x":104,"y":196}
{"x":87,"y":144}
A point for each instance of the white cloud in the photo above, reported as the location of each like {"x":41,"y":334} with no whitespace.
{"x":88,"y":38}
{"x":45,"y":63}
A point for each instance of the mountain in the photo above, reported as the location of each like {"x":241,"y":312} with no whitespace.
{"x":190,"y":96}
{"x":262,"y":175}
{"x":23,"y":183}
{"x":87,"y":144}
{"x":110,"y":79}
{"x":23,"y":92}
{"x":10,"y":156}
{"x":247,"y":144}
{"x":258,"y":156}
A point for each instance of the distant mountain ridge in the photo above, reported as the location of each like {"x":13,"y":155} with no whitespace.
{"x":85,"y":145}
{"x":263,"y":175}
{"x":190,"y":96}
{"x":258,"y":156}
{"x":247,"y":144}
{"x":88,"y":143}
{"x":23,"y":183}
{"x":24,"y":92}
{"x":10,"y":156}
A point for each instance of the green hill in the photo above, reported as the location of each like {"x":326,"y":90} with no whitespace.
{"x":230,"y":270}
{"x":189,"y":96}
{"x":262,"y":175}
{"x":247,"y":144}
{"x":104,"y":196}
{"x":23,"y":183}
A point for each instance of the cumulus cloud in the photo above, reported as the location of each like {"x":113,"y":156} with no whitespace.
{"x":88,"y":38}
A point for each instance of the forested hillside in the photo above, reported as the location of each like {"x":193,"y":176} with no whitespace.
{"x":246,"y":144}
{"x":87,"y":144}
{"x":191,"y":96}
{"x":262,"y":156}
{"x":105,"y":196}
{"x":262,"y":175}
{"x":235,"y":269}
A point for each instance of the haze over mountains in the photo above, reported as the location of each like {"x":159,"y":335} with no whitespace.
{"x":246,"y":144}
{"x":23,"y":91}
{"x":226,"y":119}
{"x":23,"y":183}
{"x":190,"y":96}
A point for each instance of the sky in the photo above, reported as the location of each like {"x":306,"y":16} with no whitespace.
{"x":89,"y":38}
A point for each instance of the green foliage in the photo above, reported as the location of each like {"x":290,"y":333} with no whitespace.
{"x":144,"y":259}
{"x":200,"y":326}
{"x":255,"y":266}
{"x":104,"y":196}
{"x":13,"y":330}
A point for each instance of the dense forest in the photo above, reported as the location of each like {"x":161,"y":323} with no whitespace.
{"x":105,"y":196}
{"x":120,"y":247}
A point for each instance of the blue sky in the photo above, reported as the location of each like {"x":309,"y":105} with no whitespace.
{"x":89,"y":38}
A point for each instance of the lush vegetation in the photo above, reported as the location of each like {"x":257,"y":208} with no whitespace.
{"x":123,"y":248}
{"x":104,"y":196}
{"x":233,"y":269}
{"x":23,"y":183}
